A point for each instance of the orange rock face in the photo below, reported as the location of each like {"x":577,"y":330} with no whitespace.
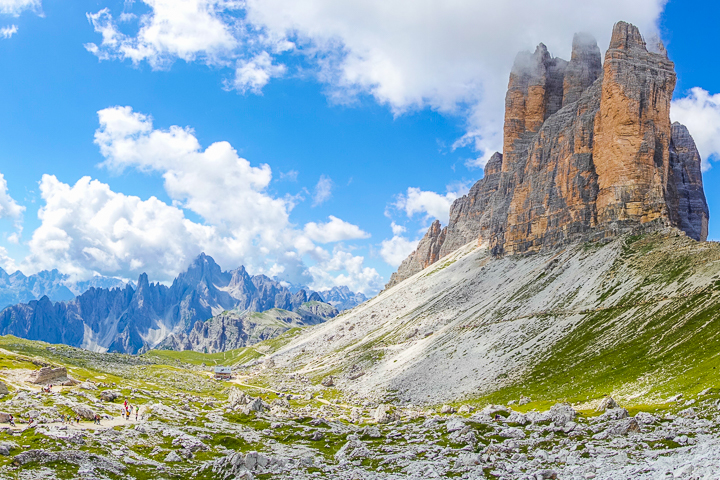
{"x":632,"y":130}
{"x":589,"y":153}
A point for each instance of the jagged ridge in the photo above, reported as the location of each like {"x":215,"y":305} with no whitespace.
{"x":132,"y":320}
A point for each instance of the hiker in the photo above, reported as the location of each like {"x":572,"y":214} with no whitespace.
{"x":136,"y":414}
{"x":12,"y":420}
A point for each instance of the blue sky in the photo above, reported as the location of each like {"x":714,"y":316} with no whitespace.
{"x":369,"y":118}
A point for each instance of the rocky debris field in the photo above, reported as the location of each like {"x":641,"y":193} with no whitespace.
{"x":190,"y":426}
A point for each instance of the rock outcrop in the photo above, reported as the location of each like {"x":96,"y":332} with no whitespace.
{"x":589,"y":153}
{"x":427,"y":253}
{"x":47,"y":375}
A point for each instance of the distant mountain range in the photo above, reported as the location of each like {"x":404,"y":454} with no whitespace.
{"x":233,"y":329}
{"x":122,"y":318}
{"x":18,"y":288}
{"x":342,"y":298}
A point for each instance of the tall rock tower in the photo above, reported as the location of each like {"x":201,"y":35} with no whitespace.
{"x":589,"y":153}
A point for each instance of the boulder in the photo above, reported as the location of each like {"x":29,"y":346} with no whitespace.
{"x":353,"y":449}
{"x":562,"y":413}
{"x":237,"y":397}
{"x":173,"y":457}
{"x":328,"y":381}
{"x":253,"y":405}
{"x":447,"y":409}
{"x":84,"y":412}
{"x":48,"y":375}
{"x":607,"y":403}
{"x":109,"y":395}
{"x":3,"y":389}
{"x":383,"y":414}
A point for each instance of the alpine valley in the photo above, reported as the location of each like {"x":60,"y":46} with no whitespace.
{"x":563,"y":325}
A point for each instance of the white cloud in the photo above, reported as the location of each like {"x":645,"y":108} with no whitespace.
{"x":88,"y":228}
{"x":15,"y":7}
{"x":397,"y":249}
{"x":700,"y":113}
{"x":397,"y":229}
{"x":436,"y":54}
{"x":255,"y":73}
{"x":184,"y":29}
{"x":9,"y":208}
{"x":352,"y":273}
{"x":7,"y":32}
{"x":215,"y":183}
{"x":406,"y":55}
{"x":323,"y":190}
{"x":7,"y":263}
{"x":335,"y":230}
{"x":431,"y":204}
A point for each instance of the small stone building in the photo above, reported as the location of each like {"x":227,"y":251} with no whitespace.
{"x":223,"y":373}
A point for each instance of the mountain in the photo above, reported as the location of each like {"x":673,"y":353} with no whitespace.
{"x":134,"y":319}
{"x":17,"y":288}
{"x":342,"y":298}
{"x":576,"y":269}
{"x":589,"y":153}
{"x":233,"y":329}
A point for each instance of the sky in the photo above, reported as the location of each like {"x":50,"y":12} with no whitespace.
{"x":313,"y":140}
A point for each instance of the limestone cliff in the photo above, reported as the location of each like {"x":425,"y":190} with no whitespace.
{"x":588,"y":153}
{"x":426,"y":253}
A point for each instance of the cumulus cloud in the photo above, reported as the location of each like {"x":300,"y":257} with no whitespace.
{"x":335,"y":230}
{"x":404,"y":55}
{"x":215,"y":183}
{"x":255,"y":73}
{"x":352,"y":273}
{"x":323,"y":190}
{"x":700,"y":113}
{"x":15,"y":7}
{"x":88,"y":228}
{"x":9,"y":208}
{"x":431,"y":204}
{"x":184,"y":29}
{"x":397,"y":249}
{"x":7,"y":32}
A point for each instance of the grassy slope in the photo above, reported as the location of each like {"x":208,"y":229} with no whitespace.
{"x":643,"y":348}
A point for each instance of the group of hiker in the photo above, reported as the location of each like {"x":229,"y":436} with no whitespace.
{"x":128,"y":409}
{"x":68,"y":419}
{"x":126,"y":413}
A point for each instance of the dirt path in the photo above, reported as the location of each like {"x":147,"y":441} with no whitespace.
{"x":321,"y":400}
{"x":84,"y":425}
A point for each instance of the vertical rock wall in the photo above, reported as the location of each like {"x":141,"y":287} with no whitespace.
{"x":588,"y":153}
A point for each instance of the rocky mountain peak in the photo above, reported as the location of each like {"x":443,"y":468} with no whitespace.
{"x":626,"y":36}
{"x":606,"y":163}
{"x":494,"y":165}
{"x":584,"y":68}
